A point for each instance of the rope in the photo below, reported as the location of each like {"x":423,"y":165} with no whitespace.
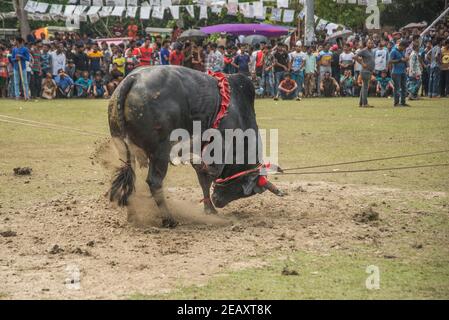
{"x":368,"y":160}
{"x":50,"y":126}
{"x":366,"y":170}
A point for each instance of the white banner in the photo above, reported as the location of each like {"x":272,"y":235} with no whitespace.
{"x":288,"y":15}
{"x":68,"y":10}
{"x":191,"y":10}
{"x":282,"y":3}
{"x":79,"y":10}
{"x":174,"y":10}
{"x":276,"y":14}
{"x":118,"y":11}
{"x":145,"y":12}
{"x":131,"y":12}
{"x":93,"y":18}
{"x":41,"y":7}
{"x":158,"y":13}
{"x":106,"y":11}
{"x":93,"y":10}
{"x":55,"y":9}
{"x":203,"y":12}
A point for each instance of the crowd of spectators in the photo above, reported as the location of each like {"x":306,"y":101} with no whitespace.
{"x":399,"y":65}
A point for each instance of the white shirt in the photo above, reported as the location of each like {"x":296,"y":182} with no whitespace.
{"x":58,"y":62}
{"x":381,"y":59}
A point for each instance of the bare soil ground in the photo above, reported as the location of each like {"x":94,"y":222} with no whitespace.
{"x":119,"y":253}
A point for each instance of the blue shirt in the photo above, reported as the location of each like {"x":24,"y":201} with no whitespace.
{"x":84,"y":83}
{"x":165,"y":55}
{"x":63,"y":83}
{"x":242,"y":61}
{"x":22,"y":54}
{"x":400,"y":67}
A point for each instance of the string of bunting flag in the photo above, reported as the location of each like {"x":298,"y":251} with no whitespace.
{"x":94,"y":10}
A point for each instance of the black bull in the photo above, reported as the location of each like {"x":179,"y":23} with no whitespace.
{"x":152,"y":102}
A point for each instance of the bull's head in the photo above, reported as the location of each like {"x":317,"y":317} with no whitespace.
{"x":243,"y":186}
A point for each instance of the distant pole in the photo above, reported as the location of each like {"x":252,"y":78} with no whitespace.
{"x":309,"y":34}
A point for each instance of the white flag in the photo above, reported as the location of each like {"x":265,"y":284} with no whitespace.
{"x":191,"y":10}
{"x":118,"y":11}
{"x":93,"y":10}
{"x":259,"y":10}
{"x":276,"y":14}
{"x":131,"y":12}
{"x":55,"y":9}
{"x":41,"y":7}
{"x":78,"y":10}
{"x":174,"y":10}
{"x":31,"y":6}
{"x":216,"y":9}
{"x":166,"y":3}
{"x":232,"y":8}
{"x":68,"y":10}
{"x":145,"y":12}
{"x":93,"y":18}
{"x":106,"y":11}
{"x":158,"y":12}
{"x":282,"y":3}
{"x":203,"y":12}
{"x":288,"y":15}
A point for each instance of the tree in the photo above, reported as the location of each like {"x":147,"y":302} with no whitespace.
{"x":417,"y":11}
{"x":22,"y":16}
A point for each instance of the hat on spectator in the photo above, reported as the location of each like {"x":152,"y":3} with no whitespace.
{"x":334,"y":47}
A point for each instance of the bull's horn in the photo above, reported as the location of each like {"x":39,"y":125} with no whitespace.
{"x":272,"y":188}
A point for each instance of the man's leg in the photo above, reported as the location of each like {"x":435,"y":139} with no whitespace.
{"x":16,"y":84}
{"x":396,"y":81}
{"x":403,"y":88}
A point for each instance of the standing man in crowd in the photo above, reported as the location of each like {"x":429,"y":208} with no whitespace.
{"x":366,"y":59}
{"x":380,"y":58}
{"x":434,"y":58}
{"x":325,"y":63}
{"x":398,"y":73}
{"x":280,"y":64}
{"x":296,"y":66}
{"x":310,"y":66}
{"x":58,"y":60}
{"x":19,"y":56}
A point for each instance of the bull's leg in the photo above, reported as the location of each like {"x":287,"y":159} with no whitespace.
{"x":156,"y":175}
{"x":205,"y":181}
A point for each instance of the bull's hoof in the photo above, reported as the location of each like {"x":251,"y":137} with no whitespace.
{"x":169,"y":223}
{"x":210,"y":210}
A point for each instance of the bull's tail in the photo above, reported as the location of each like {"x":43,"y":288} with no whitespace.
{"x":123,"y":184}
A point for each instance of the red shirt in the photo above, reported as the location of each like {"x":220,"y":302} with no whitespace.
{"x":132,"y":31}
{"x":176,"y":58}
{"x":146,"y":55}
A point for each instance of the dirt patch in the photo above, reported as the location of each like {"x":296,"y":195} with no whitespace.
{"x":22,"y":171}
{"x":85,"y":247}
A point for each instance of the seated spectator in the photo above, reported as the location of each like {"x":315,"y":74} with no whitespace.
{"x":131,"y":62}
{"x":116,"y":78}
{"x":329,"y":86}
{"x":384,"y":85}
{"x":120,"y":61}
{"x":70,"y":69}
{"x":287,"y":88}
{"x":65,"y":84}
{"x":83,"y":86}
{"x":49,"y":87}
{"x":99,"y":87}
{"x":347,"y":84}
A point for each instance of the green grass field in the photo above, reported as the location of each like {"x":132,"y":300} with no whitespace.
{"x":311,"y":132}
